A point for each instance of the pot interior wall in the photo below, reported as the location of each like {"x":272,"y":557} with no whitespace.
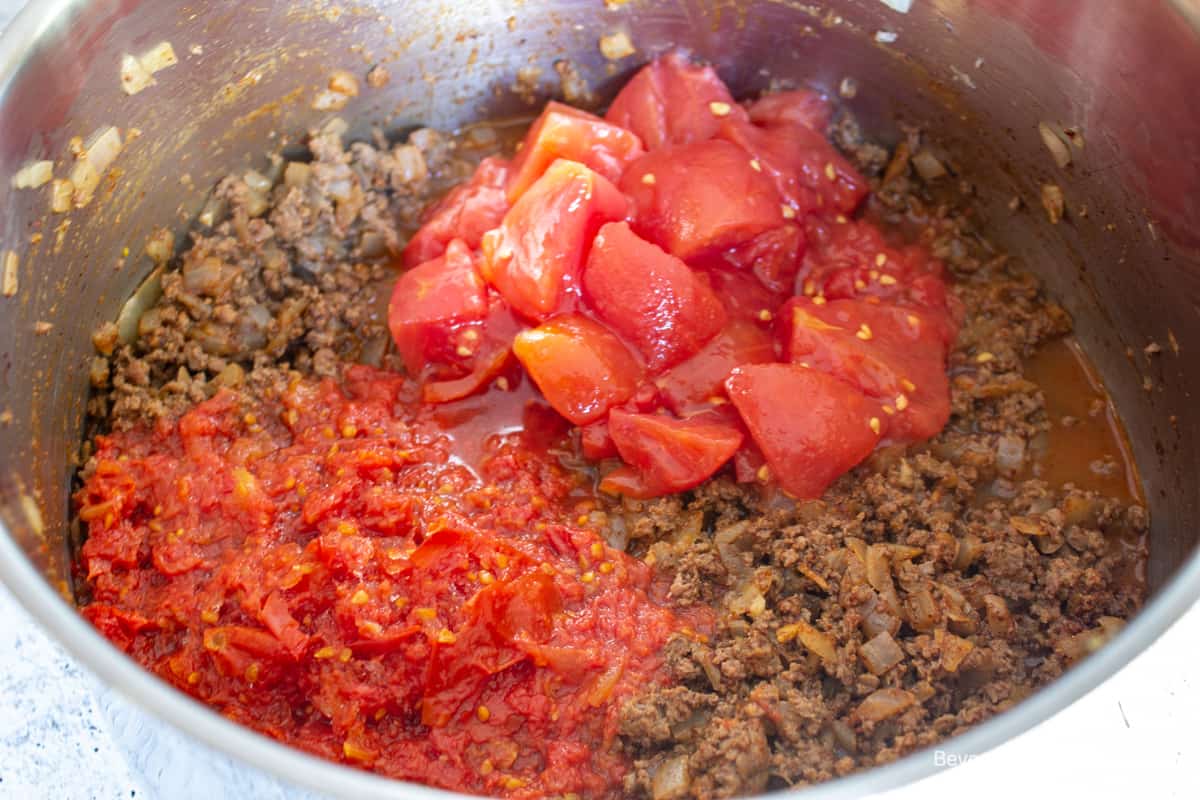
{"x":980,"y":75}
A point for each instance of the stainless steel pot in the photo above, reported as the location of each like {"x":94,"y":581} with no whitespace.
{"x":1126,"y":258}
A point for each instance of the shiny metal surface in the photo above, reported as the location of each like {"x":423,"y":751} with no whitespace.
{"x":1126,"y":259}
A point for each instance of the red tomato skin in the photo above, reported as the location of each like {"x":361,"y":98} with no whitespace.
{"x":802,"y":107}
{"x":669,"y":102}
{"x":698,"y":381}
{"x":581,"y":367}
{"x":743,"y":295}
{"x":467,"y":212}
{"x":852,"y":259}
{"x":698,"y":198}
{"x":899,"y":358}
{"x":672,"y":455}
{"x":809,"y":174}
{"x":649,"y":297}
{"x":534,"y":257}
{"x":811,"y":427}
{"x":565,"y":132}
{"x":627,"y":481}
{"x":433,"y":305}
{"x":773,"y":256}
{"x":596,"y":442}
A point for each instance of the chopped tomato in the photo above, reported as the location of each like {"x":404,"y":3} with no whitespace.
{"x":698,"y":198}
{"x":809,"y":174}
{"x":596,"y":442}
{"x":489,"y":351}
{"x":773,"y":257}
{"x":580,"y":366}
{"x":852,"y":259}
{"x":437,"y":308}
{"x":672,"y":454}
{"x":672,"y":101}
{"x":650,"y":297}
{"x":892,"y":353}
{"x":744,"y":296}
{"x":498,"y":617}
{"x":811,"y":427}
{"x":565,"y":132}
{"x":467,"y":212}
{"x":798,"y":107}
{"x":701,"y":379}
{"x":626,"y":480}
{"x":486,"y":369}
{"x":748,"y":463}
{"x":534,"y":257}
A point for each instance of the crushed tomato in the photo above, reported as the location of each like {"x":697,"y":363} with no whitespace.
{"x":337,"y":570}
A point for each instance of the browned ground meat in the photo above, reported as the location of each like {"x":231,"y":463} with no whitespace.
{"x":294,"y":279}
{"x":928,"y":590}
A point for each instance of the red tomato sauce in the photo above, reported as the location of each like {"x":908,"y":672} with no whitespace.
{"x":414,"y":589}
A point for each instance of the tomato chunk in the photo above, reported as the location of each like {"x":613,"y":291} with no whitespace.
{"x":811,"y":427}
{"x":467,"y":212}
{"x":700,"y":379}
{"x":701,"y":197}
{"x":773,"y":257}
{"x":744,"y":296}
{"x":649,"y":297}
{"x":852,"y":259}
{"x":892,"y":353}
{"x":434,"y":306}
{"x":580,"y":366}
{"x":596,"y":441}
{"x":672,"y":454}
{"x":534,"y":257}
{"x":807,"y":171}
{"x":565,"y":132}
{"x":673,"y":101}
{"x":797,"y":107}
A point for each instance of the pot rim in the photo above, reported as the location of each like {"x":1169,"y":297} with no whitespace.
{"x":24,"y":35}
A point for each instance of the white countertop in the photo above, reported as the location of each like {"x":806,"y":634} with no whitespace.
{"x":63,"y":735}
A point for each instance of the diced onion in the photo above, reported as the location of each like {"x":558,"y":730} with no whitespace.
{"x":296,"y":174}
{"x":134,"y":76}
{"x":817,"y":642}
{"x":1055,"y":143}
{"x":922,"y":610}
{"x":257,"y":181}
{"x":159,"y":57}
{"x":879,"y":575}
{"x":615,"y":46}
{"x":884,"y":703}
{"x":160,"y":245}
{"x":33,"y":175}
{"x":671,"y":780}
{"x":97,"y":156}
{"x":145,"y":297}
{"x":969,"y":547}
{"x":329,"y":100}
{"x":1010,"y":454}
{"x":61,"y":192}
{"x":928,"y":166}
{"x":11,"y":280}
{"x":881,"y":653}
{"x":954,"y":649}
{"x":343,"y":82}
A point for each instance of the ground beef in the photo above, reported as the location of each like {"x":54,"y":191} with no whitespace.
{"x":293,"y":279}
{"x":928,"y":590}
